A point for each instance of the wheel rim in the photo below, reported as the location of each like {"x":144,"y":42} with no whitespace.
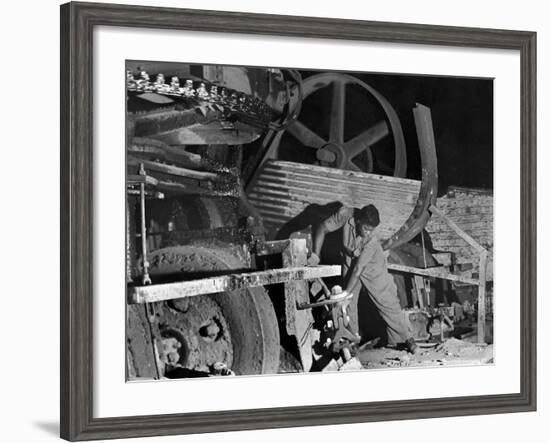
{"x":334,"y":150}
{"x":237,"y":328}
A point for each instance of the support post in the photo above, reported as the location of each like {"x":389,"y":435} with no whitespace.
{"x":481,"y":297}
{"x":298,"y":322}
{"x":419,"y":288}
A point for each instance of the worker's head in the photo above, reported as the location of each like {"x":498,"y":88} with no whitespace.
{"x":367,"y":219}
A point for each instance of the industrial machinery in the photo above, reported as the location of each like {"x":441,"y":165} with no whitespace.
{"x":217,"y":253}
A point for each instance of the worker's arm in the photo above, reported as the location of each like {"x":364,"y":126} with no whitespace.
{"x":331,"y":224}
{"x":365,"y":256}
{"x":354,"y":277}
{"x":319,"y":238}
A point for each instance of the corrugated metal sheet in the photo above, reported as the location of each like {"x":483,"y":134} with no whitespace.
{"x":284,"y":189}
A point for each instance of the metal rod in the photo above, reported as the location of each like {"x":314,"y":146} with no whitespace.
{"x":326,"y":290}
{"x":302,"y":306}
{"x":146,"y":278}
{"x":150,"y":315}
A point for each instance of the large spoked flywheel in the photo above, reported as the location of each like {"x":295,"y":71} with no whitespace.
{"x":343,"y":123}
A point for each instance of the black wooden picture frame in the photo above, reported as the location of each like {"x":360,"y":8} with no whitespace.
{"x":77,"y":216}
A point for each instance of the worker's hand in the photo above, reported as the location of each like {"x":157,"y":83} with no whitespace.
{"x":349,"y":251}
{"x":344,"y":294}
{"x":339,"y":295}
{"x":313,"y":259}
{"x":356,"y":252}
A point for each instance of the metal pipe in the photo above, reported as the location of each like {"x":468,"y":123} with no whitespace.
{"x":146,"y":279}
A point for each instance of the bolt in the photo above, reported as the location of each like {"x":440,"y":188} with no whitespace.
{"x":220,"y":368}
{"x":211,"y":330}
{"x":180,"y":304}
{"x":326,"y":156}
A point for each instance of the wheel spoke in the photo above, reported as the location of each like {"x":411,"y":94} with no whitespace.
{"x":366,"y":163}
{"x":305,"y":135}
{"x":366,"y":139}
{"x":337,"y":112}
{"x":350,"y":166}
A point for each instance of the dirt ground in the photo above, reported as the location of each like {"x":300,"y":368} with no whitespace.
{"x":451,"y":352}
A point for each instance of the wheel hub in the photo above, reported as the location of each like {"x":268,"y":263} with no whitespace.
{"x":332,"y":154}
{"x":197,"y":339}
{"x":236,"y":328}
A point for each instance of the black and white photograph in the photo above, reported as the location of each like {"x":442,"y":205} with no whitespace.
{"x":282,"y":220}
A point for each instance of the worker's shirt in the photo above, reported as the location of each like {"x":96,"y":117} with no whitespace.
{"x":343,"y":219}
{"x":374,"y":276}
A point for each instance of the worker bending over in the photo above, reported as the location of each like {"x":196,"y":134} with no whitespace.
{"x":365,"y":265}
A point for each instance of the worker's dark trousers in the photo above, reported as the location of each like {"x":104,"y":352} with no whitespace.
{"x":388,"y":306}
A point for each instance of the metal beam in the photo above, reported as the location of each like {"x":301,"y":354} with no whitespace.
{"x":432,"y":272}
{"x":231,"y":282}
{"x":185,"y":188}
{"x":177,"y":170}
